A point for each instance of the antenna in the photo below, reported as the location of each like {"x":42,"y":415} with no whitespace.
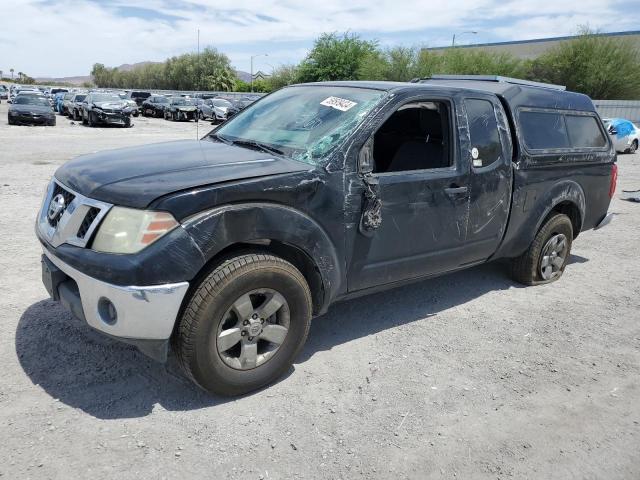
{"x":198,"y":89}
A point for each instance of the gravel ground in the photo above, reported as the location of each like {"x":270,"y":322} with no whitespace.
{"x":467,"y":376}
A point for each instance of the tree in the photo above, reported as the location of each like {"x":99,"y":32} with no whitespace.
{"x":220,"y":79}
{"x":398,"y":64}
{"x":599,"y":66}
{"x":281,"y":77}
{"x":191,"y":71}
{"x":11,"y":70}
{"x":335,"y":57}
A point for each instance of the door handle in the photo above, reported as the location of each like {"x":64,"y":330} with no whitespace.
{"x":455,"y":191}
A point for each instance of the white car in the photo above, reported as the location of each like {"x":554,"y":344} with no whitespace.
{"x":624,"y":134}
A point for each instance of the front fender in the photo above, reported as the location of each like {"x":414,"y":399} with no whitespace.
{"x":531,"y":206}
{"x":218,"y":228}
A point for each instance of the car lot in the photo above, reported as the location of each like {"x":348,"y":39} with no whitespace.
{"x":467,"y":376}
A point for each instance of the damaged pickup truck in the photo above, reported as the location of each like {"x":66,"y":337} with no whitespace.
{"x":225,"y":248}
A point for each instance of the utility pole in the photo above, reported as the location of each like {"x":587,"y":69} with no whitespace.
{"x":453,"y":40}
{"x":252,"y":57}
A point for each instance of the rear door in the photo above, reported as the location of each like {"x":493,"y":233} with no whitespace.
{"x":490,"y":179}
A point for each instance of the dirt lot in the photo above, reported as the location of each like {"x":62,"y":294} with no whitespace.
{"x":467,"y":376}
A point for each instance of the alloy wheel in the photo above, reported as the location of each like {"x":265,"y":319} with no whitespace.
{"x":253,"y":329}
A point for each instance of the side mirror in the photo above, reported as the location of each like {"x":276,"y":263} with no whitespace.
{"x":365,"y":157}
{"x":613,"y":131}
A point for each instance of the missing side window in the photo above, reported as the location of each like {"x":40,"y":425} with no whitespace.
{"x":415,"y":137}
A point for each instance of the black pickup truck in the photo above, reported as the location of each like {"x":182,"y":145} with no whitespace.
{"x":226,"y":247}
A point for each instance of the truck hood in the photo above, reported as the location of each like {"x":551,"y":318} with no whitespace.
{"x":136,"y":176}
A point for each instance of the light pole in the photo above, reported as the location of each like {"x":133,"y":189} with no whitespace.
{"x":252,"y":57}
{"x":453,"y":41}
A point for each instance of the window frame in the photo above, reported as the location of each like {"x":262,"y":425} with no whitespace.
{"x":541,"y":152}
{"x":452,"y":156}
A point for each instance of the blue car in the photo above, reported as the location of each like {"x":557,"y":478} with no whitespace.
{"x":57,"y":102}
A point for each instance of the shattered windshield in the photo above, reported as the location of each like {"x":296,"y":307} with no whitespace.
{"x":305,"y":123}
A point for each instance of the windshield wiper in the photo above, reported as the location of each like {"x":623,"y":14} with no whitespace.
{"x":220,"y":138}
{"x":257,"y":145}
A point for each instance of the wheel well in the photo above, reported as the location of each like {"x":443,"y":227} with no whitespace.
{"x":572,"y":211}
{"x":294,"y":255}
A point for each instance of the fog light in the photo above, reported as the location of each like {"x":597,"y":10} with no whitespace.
{"x":107,"y":311}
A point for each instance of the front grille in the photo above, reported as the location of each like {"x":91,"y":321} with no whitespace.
{"x":88,"y":220}
{"x":68,"y":198}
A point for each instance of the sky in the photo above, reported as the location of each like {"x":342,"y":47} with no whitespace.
{"x":66,"y":37}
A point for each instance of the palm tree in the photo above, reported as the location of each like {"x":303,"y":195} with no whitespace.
{"x":221,"y":79}
{"x":11,"y":70}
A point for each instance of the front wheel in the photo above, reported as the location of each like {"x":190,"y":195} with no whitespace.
{"x":548,"y":254}
{"x":633,"y":147}
{"x":245,"y":324}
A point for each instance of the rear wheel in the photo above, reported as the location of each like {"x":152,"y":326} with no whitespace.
{"x":547,"y":257}
{"x":244,"y":324}
{"x":634,"y":147}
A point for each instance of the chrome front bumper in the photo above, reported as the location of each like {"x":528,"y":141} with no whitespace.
{"x":141,"y":313}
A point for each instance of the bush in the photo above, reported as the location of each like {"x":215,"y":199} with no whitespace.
{"x":335,"y":57}
{"x":602,"y":67}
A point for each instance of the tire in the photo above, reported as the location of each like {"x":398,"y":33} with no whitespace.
{"x":10,"y":121}
{"x":211,"y":307}
{"x":634,"y":147}
{"x":90,"y":121}
{"x":532,"y":267}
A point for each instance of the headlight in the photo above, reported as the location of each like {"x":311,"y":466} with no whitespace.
{"x":127,"y":230}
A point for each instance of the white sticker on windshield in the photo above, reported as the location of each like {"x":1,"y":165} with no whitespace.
{"x":338,"y":103}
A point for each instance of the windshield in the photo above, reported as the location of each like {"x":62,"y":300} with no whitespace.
{"x":182,"y":101}
{"x":219,"y":102}
{"x":305,"y":123}
{"x":105,"y":97}
{"x":31,"y":100}
{"x":79,"y":98}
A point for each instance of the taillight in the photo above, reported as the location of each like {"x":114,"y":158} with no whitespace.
{"x":614,"y":179}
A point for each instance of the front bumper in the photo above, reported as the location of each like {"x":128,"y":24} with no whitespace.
{"x":140,"y":315}
{"x":28,"y":119}
{"x":117,"y":118}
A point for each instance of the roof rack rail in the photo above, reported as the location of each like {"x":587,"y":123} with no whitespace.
{"x":497,"y":78}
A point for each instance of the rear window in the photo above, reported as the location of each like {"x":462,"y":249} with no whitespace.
{"x":584,"y":132}
{"x":555,"y":130}
{"x":543,"y":130}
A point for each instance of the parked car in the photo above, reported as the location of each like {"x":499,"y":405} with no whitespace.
{"x":74,"y":109}
{"x":217,"y":109}
{"x":58,"y":100}
{"x":154,"y":106}
{"x":27,"y":109}
{"x":23,"y":90}
{"x":624,"y":134}
{"x":66,"y":107}
{"x":181,"y":108}
{"x":138,"y":97}
{"x":4,"y":93}
{"x":131,"y":104}
{"x":105,"y":109}
{"x":228,"y":246}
